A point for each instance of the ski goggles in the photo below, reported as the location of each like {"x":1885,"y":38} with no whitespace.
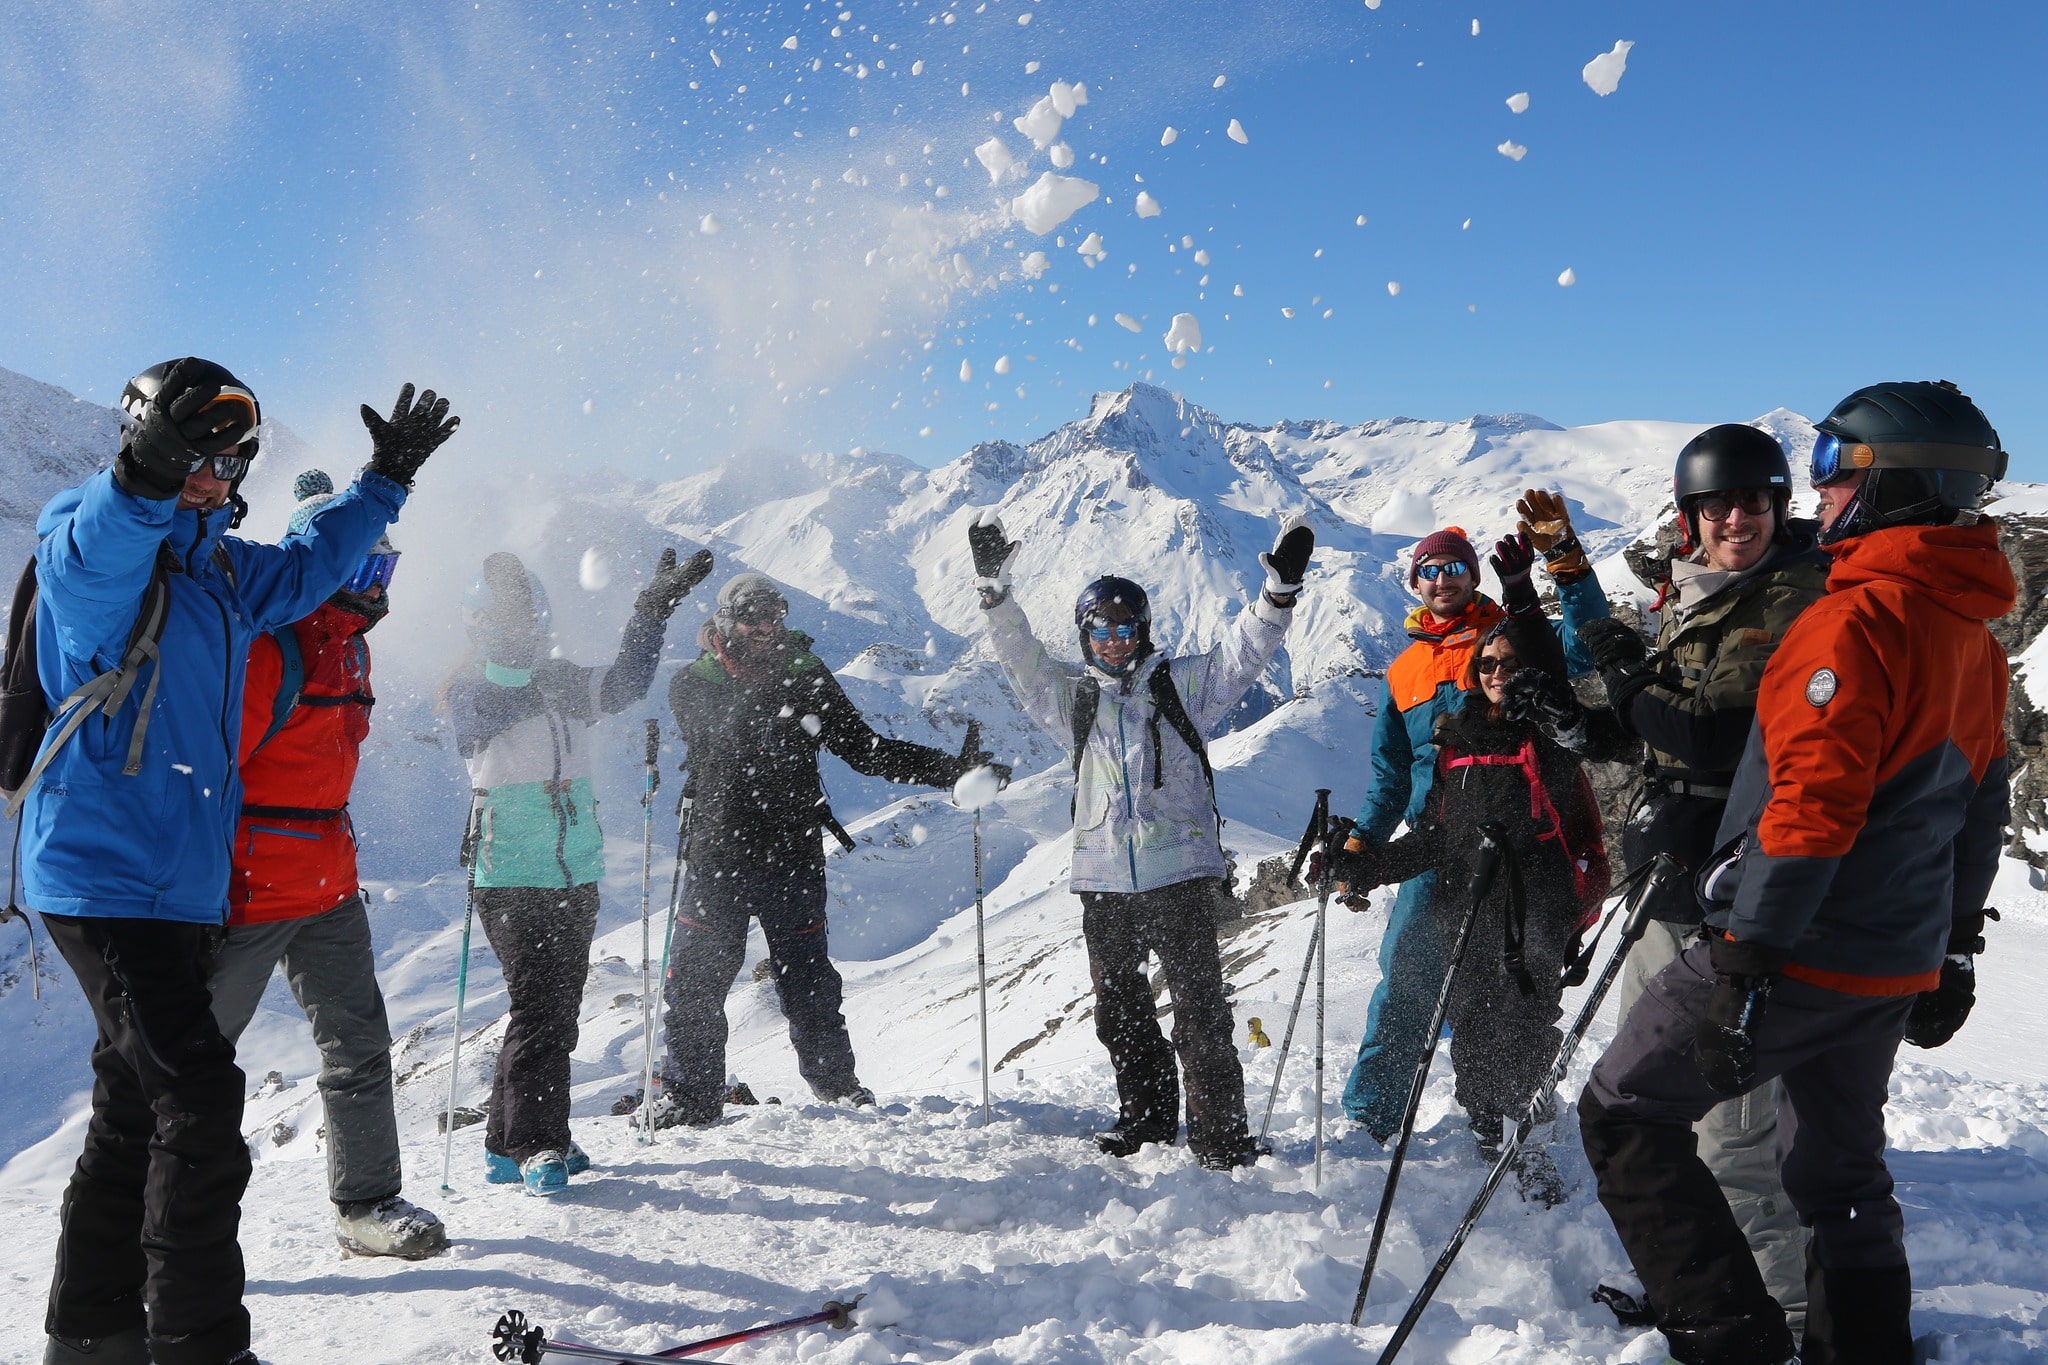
{"x":766,"y":614}
{"x":228,"y":468}
{"x":1429,"y":573}
{"x":374,"y":571}
{"x":1835,"y":459}
{"x":1719,"y":506}
{"x":1121,"y":630}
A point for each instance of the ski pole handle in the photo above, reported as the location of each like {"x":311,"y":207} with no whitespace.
{"x":1318,"y":821}
{"x":654,"y":748}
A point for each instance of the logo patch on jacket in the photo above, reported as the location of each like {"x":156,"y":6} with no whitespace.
{"x":1820,"y":688}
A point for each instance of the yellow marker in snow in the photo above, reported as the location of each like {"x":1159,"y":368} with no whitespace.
{"x":1259,"y":1038}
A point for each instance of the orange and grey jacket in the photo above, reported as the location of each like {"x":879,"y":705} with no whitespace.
{"x":1868,"y":811}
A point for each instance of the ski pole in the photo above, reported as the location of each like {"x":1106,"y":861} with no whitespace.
{"x":650,"y":781}
{"x":35,"y":973}
{"x":513,"y":1340}
{"x":1659,"y":872}
{"x":470,"y":833}
{"x":981,"y":965}
{"x":1322,"y":936}
{"x":685,"y":808}
{"x":1492,"y":837}
{"x":1309,"y":837}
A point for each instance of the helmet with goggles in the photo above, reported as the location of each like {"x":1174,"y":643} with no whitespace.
{"x":1926,"y":452}
{"x":1113,"y":608}
{"x":235,"y":401}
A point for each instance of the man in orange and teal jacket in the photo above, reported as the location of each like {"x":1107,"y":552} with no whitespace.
{"x":1845,"y":903}
{"x":1422,"y":685}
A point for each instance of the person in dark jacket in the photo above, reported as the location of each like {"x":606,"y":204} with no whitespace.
{"x":1742,"y":572}
{"x":519,"y":719}
{"x":1845,"y":901}
{"x":294,"y":898}
{"x":125,"y":838}
{"x":1496,"y":763}
{"x":755,"y":708}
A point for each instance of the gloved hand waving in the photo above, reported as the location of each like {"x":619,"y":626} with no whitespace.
{"x":993,"y":552}
{"x":1548,"y":524}
{"x":1512,"y":558}
{"x":1286,"y":563}
{"x":671,"y":584}
{"x":400,"y":444}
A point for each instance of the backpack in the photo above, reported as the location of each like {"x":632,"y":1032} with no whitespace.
{"x":1166,"y":704}
{"x":291,"y":682}
{"x":25,"y":715}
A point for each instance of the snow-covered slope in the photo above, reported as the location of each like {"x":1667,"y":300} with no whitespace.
{"x":1014,"y":1242}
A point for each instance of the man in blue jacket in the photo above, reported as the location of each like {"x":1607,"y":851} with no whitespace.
{"x":125,"y":840}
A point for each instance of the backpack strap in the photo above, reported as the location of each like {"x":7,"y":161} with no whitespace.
{"x":1542,"y":810}
{"x":1167,"y":705}
{"x":1087,"y":699}
{"x":290,"y":684}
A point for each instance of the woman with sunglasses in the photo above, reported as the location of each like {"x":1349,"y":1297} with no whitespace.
{"x":1494,"y":762}
{"x":1741,"y":574}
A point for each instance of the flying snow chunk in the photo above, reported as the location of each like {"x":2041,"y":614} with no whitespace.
{"x":1201,"y":258}
{"x":917,"y":68}
{"x":789,"y":43}
{"x":1519,"y":102}
{"x":1067,"y":98}
{"x":1217,"y":84}
{"x":1394,"y":288}
{"x":1408,"y":513}
{"x":976,"y":788}
{"x":1051,"y":200}
{"x":1237,"y":133}
{"x":1361,"y":220}
{"x":812,"y":725}
{"x":1167,"y":138}
{"x":995,"y":158}
{"x":709,"y":225}
{"x":1372,"y":4}
{"x":1042,"y":123}
{"x":1475,"y":28}
{"x":1062,"y":155}
{"x":1603,"y":74}
{"x":1024,"y":18}
{"x":1286,"y":312}
{"x":1093,"y":248}
{"x":595,"y":572}
{"x":1129,"y":323}
{"x":1148,"y":207}
{"x":1002,"y":364}
{"x":966,"y":371}
{"x":1513,"y":151}
{"x":1184,"y":336}
{"x":1569,"y":278}
{"x":1034,"y":265}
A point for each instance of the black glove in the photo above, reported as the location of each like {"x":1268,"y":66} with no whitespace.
{"x":1360,"y":869}
{"x":1536,"y":697}
{"x":1938,"y":1013}
{"x":1724,"y":1045}
{"x":671,"y":584}
{"x":399,"y":446}
{"x":993,"y":553}
{"x":1287,"y":562}
{"x":1512,"y":558}
{"x":181,"y":427}
{"x":1613,"y":644}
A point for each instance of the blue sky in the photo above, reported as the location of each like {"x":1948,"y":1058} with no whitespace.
{"x":1779,"y":203}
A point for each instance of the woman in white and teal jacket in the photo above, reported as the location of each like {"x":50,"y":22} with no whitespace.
{"x":536,"y":850}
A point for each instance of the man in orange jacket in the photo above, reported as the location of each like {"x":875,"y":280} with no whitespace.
{"x":1845,"y":902}
{"x":293,"y":896}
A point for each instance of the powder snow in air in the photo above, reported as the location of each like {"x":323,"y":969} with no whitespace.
{"x":1237,"y":133}
{"x":1394,"y":287}
{"x":812,"y":725}
{"x":1217,"y":84}
{"x":789,"y":43}
{"x":1093,"y":248}
{"x":1519,"y":102}
{"x":1051,"y":200}
{"x":1148,"y":207}
{"x":917,"y":68}
{"x":1201,"y":258}
{"x":976,"y":788}
{"x":1034,"y":265}
{"x":1603,"y":74}
{"x":1062,"y":155}
{"x":1167,"y":138}
{"x":1024,"y":18}
{"x":1360,"y":220}
{"x":709,"y":225}
{"x":1067,"y":98}
{"x":1408,"y":512}
{"x":1569,"y":278}
{"x":595,"y":571}
{"x":1002,"y":364}
{"x":1286,"y":312}
{"x":1372,"y":4}
{"x":966,"y":371}
{"x":995,"y":158}
{"x":1184,"y":335}
{"x":1513,"y":151}
{"x":1475,"y":28}
{"x":1129,"y":323}
{"x":1042,"y":123}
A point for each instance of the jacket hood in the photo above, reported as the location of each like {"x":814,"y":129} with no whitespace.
{"x":1960,"y":567}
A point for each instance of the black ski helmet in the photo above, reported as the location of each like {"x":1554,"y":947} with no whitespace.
{"x":1928,"y":453}
{"x":1723,"y":458}
{"x":1110,"y":600}
{"x":506,"y":613}
{"x":192,"y":373}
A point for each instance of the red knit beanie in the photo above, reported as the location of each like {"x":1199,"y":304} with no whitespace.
{"x":1449,"y":541}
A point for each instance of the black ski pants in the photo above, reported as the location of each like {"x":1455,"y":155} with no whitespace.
{"x":711,"y":944}
{"x":1174,"y":923}
{"x":542,"y":938}
{"x":1833,"y":1053}
{"x":154,"y":1206}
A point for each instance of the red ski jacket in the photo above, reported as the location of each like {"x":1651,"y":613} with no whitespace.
{"x":1872,"y":799}
{"x":295,"y":851}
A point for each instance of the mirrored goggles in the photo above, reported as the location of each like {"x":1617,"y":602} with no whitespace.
{"x":374,"y":570}
{"x":1429,"y":573}
{"x":1835,"y":459}
{"x":1720,"y":506}
{"x":1121,"y":630}
{"x":228,"y":468}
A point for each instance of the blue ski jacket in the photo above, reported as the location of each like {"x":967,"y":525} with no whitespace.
{"x":94,"y":841}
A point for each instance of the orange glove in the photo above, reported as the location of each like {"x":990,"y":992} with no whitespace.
{"x":1548,"y":524}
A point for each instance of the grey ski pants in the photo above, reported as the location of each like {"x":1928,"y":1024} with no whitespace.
{"x":332,"y":970}
{"x":1738,"y":1141}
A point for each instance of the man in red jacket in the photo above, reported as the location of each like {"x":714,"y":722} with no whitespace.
{"x":293,"y":895}
{"x":1845,"y":901}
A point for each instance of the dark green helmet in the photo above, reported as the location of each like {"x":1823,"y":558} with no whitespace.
{"x":1928,"y":453}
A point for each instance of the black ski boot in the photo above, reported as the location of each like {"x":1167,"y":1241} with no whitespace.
{"x":1538,"y":1178}
{"x":1231,"y":1157}
{"x":1488,"y":1132}
{"x":123,"y":1348}
{"x":1130,"y":1134}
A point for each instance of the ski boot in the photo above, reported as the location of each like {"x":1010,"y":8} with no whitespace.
{"x":1488,"y":1132}
{"x":1231,"y":1157}
{"x":122,"y":1348}
{"x":392,"y":1226}
{"x":545,"y":1173}
{"x":1132,"y":1133}
{"x":1538,"y":1178}
{"x":669,"y":1110}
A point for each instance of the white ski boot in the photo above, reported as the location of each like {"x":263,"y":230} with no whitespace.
{"x":393,"y":1226}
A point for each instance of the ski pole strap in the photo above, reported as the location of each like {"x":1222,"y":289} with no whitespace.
{"x":1514,"y":924}
{"x":831,"y":825}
